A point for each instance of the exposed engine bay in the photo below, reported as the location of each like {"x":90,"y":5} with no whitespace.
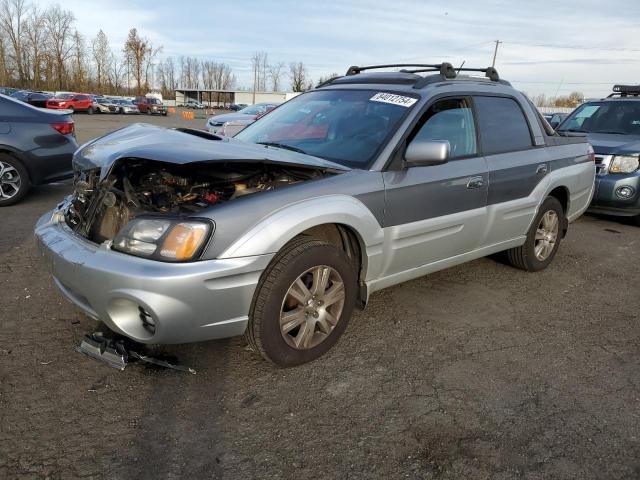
{"x":100,"y":209}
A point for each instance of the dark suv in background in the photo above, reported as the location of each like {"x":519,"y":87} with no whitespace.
{"x":613,"y":128}
{"x":150,"y":105}
{"x":36,"y":147}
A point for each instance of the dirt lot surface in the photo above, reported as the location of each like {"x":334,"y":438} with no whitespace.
{"x":476,"y":372}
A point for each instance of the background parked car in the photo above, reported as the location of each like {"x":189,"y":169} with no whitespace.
{"x":126,"y":106}
{"x":557,"y":118}
{"x":215,"y":124}
{"x":77,"y":102}
{"x":150,"y":105}
{"x":237,"y":106}
{"x":21,"y":95}
{"x":106,"y":105}
{"x":231,"y":128}
{"x":195,"y":105}
{"x":37,"y":147}
{"x":39,"y":99}
{"x":612,"y":126}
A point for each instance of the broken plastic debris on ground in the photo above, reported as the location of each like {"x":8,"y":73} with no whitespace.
{"x":117,"y":352}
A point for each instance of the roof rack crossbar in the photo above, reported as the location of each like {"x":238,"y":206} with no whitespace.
{"x":445,"y":68}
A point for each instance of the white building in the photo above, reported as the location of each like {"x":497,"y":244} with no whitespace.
{"x":222,"y":98}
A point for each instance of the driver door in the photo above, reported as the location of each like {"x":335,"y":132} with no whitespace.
{"x":437,"y":212}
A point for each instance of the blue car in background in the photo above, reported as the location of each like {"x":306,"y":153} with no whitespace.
{"x":613,"y":128}
{"x":36,"y":147}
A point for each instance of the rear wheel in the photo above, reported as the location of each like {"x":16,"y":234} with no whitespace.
{"x":14,"y":180}
{"x":303,"y":302}
{"x":543,"y":238}
{"x":636,"y":220}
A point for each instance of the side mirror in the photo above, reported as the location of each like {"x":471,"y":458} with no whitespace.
{"x":422,"y":153}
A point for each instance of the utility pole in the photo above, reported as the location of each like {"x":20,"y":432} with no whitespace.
{"x":495,"y":53}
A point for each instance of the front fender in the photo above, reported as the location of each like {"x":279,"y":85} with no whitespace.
{"x":274,"y":231}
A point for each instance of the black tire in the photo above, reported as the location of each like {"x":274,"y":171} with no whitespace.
{"x":25,"y":183}
{"x":301,"y":254}
{"x":90,"y":111}
{"x":524,"y":257}
{"x":636,"y":220}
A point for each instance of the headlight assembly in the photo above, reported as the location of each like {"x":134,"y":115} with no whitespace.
{"x":163,"y":239}
{"x":624,"y":164}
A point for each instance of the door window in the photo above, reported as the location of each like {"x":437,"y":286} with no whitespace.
{"x":450,"y":119}
{"x":503,"y":126}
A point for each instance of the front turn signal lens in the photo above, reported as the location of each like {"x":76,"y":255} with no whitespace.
{"x":184,"y":240}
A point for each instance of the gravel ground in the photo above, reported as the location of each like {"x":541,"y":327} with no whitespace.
{"x":476,"y":372}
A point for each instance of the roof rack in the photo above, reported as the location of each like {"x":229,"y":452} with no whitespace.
{"x":445,"y":71}
{"x":625,"y":90}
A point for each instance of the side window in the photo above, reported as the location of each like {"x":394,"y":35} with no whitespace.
{"x":450,"y":119}
{"x":503,"y":126}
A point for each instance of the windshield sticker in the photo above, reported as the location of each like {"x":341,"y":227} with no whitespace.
{"x":587,"y":111}
{"x":393,"y":99}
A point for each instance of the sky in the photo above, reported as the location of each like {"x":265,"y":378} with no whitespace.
{"x":551,"y":47}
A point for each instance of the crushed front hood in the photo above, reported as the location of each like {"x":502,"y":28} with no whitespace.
{"x":181,"y":147}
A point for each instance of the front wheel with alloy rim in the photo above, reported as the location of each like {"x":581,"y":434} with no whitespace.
{"x":14,"y":180}
{"x":303,"y":302}
{"x":543,"y":238}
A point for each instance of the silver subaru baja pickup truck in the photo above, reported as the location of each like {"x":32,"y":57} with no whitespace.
{"x":369,"y":180}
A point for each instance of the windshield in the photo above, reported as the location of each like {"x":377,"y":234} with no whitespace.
{"x":343,"y":126}
{"x":614,"y":117}
{"x":64,"y":96}
{"x":153,"y":101}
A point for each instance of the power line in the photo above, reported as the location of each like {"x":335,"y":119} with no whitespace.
{"x":574,"y":47}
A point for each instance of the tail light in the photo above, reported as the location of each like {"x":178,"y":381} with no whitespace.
{"x":65,"y":128}
{"x":592,"y":154}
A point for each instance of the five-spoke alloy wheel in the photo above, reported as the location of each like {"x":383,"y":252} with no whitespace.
{"x":303,"y":302}
{"x":311,"y":307}
{"x":543,"y":238}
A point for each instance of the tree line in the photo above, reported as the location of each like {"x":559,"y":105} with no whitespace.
{"x":41,"y":49}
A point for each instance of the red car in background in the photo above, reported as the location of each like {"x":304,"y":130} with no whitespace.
{"x":77,"y":102}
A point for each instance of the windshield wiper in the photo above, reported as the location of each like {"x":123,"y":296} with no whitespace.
{"x":571,"y":130}
{"x":282,"y":145}
{"x":612,"y":132}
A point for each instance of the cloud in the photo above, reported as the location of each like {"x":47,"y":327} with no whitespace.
{"x":544,"y":41}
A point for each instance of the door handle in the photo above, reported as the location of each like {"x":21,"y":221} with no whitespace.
{"x":542,"y":169}
{"x":475,"y":182}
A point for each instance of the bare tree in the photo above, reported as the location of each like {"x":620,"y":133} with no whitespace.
{"x":102,"y":57}
{"x":79,"y":65}
{"x":137,"y":50}
{"x":298,"y":74}
{"x":12,"y":19}
{"x":275,"y":74}
{"x":259,"y":64}
{"x":58,"y":25}
{"x":116,"y":72}
{"x":36,"y":44}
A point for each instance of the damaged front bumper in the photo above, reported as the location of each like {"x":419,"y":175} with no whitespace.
{"x":146,"y":300}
